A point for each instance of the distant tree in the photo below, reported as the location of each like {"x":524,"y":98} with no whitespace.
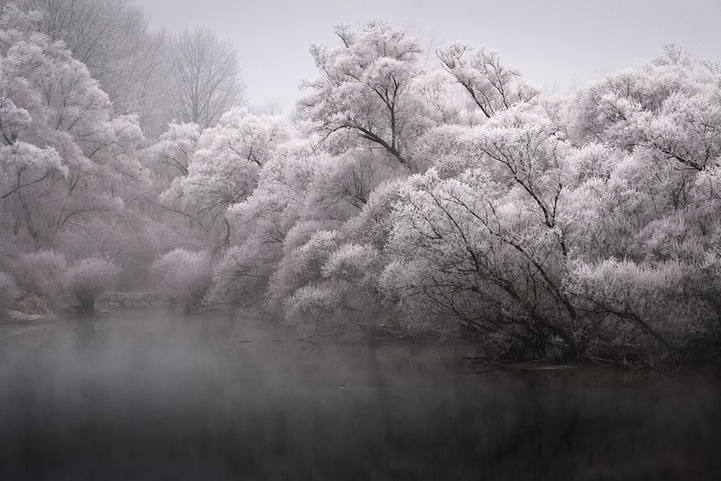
{"x":113,"y":39}
{"x":206,"y":77}
{"x":23,"y":164}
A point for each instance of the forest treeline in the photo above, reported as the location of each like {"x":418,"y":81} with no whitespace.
{"x":409,"y":192}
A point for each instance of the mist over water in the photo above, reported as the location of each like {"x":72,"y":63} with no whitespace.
{"x":156,"y":397}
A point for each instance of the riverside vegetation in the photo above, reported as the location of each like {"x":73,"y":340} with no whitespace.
{"x":444,"y":197}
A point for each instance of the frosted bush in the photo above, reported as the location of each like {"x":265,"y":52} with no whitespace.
{"x":42,"y":273}
{"x":373,"y":223}
{"x":313,"y":309}
{"x":184,"y":276}
{"x":592,"y":161}
{"x":240,"y":279}
{"x":314,"y":253}
{"x":89,"y":278}
{"x":352,"y":262}
{"x":287,"y":276}
{"x":300,"y":234}
{"x":641,"y":305}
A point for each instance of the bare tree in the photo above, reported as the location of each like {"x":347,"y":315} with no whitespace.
{"x":206,"y":75}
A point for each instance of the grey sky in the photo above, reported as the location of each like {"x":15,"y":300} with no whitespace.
{"x":555,"y":43}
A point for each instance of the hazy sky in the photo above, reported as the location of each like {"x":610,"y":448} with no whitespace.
{"x":555,"y":43}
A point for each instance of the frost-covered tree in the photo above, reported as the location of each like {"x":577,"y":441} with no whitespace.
{"x":171,"y":155}
{"x":366,"y":93}
{"x":668,"y":105}
{"x":492,"y":86}
{"x":369,"y":109}
{"x":471,"y":250}
{"x":584,"y":226}
{"x":113,"y":39}
{"x":261,"y":224}
{"x":69,"y":163}
{"x":643,"y":196}
{"x":224,"y":168}
{"x":334,"y":282}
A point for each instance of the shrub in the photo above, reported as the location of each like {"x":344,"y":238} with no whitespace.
{"x":89,"y":278}
{"x":290,"y":273}
{"x":32,"y":304}
{"x":42,"y":273}
{"x":314,"y":310}
{"x":355,"y":263}
{"x":183,"y":276}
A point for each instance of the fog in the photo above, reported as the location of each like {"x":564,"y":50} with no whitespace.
{"x":153,"y":396}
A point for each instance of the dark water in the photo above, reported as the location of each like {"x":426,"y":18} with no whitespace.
{"x":205,"y":399}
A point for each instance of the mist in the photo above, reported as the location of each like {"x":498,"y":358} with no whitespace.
{"x":151,"y":396}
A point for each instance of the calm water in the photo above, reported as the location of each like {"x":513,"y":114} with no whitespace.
{"x":150,"y":397}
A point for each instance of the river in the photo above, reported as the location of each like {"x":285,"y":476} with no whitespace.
{"x":148,"y":396}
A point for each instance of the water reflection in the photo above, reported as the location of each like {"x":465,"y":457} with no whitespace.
{"x":187,"y":399}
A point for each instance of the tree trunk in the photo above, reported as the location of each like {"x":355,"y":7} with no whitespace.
{"x":87,"y":305}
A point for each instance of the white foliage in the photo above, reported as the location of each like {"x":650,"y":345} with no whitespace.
{"x":63,"y":144}
{"x":653,"y":298}
{"x":226,"y":164}
{"x":492,"y":86}
{"x":373,"y":224}
{"x":313,"y":309}
{"x":354,"y":263}
{"x":41,"y":273}
{"x":171,"y":154}
{"x":365,"y":91}
{"x":91,"y":277}
{"x":312,"y":255}
{"x":183,"y":275}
